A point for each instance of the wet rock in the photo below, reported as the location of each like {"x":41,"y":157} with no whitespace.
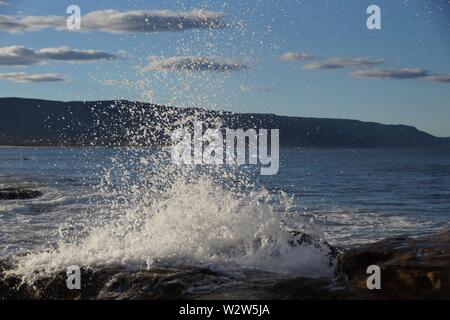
{"x":18,"y":194}
{"x":165,"y":283}
{"x":13,"y":287}
{"x":302,"y":239}
{"x":411,"y":268}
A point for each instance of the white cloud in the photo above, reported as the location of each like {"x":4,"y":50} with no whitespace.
{"x":119,"y":21}
{"x":295,"y":56}
{"x":254,"y":88}
{"x":22,"y":77}
{"x":21,"y":56}
{"x":370,"y":72}
{"x":190,"y":64}
{"x":339,"y":63}
{"x":442,"y":78}
{"x":16,"y":24}
{"x":115,"y":83}
{"x":404,"y":73}
{"x":3,"y":3}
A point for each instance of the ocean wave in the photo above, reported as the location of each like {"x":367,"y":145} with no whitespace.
{"x":201,"y":224}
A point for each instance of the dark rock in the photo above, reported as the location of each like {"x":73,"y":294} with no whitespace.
{"x":18,"y":194}
{"x":302,"y":239}
{"x":411,"y":268}
{"x":165,"y":283}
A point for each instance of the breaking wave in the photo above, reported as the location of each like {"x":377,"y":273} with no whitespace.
{"x":159,"y":213}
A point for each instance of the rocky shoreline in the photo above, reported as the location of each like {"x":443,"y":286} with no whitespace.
{"x":411,"y":268}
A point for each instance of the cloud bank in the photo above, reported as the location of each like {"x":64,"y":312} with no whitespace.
{"x":398,"y":74}
{"x":22,"y":56}
{"x":19,"y":24}
{"x":339,"y":63}
{"x":369,"y":71}
{"x":442,"y":78}
{"x":191,"y":64}
{"x":22,"y":77}
{"x":115,"y":21}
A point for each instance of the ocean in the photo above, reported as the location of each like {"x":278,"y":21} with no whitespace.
{"x":105,"y":206}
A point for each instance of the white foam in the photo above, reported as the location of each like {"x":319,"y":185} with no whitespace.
{"x":199,"y":223}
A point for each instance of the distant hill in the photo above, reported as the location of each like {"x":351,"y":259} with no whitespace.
{"x":34,"y":122}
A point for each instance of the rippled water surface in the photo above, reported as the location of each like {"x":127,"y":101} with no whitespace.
{"x":347,"y":196}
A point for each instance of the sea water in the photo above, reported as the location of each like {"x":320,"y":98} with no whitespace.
{"x":132,"y":207}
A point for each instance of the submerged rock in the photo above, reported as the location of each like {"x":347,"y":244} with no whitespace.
{"x":411,"y":268}
{"x":18,"y":193}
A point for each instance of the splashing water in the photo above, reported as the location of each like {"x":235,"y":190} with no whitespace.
{"x":165,"y":214}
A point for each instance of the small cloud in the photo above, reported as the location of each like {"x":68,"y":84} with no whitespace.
{"x":115,"y":21}
{"x":151,"y":21}
{"x":191,"y":64}
{"x":73,"y":55}
{"x":442,"y":78}
{"x":295,"y":56}
{"x":339,"y":63}
{"x":22,"y":56}
{"x":404,"y":73}
{"x":112,"y":82}
{"x":18,"y":24}
{"x":22,"y":77}
{"x":3,"y":3}
{"x":256,"y":88}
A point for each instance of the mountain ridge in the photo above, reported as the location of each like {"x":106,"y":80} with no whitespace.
{"x":38,"y":122}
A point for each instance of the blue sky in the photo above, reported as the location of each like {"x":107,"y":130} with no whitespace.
{"x":336,"y":68}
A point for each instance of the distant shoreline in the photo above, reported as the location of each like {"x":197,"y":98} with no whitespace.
{"x":31,"y":122}
{"x":285,"y":147}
